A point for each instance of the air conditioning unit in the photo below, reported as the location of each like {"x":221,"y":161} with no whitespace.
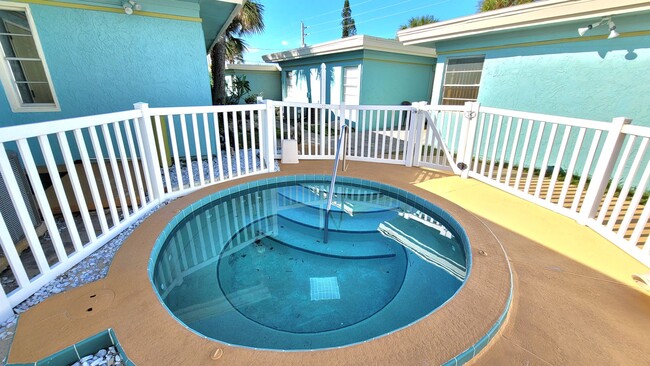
{"x":6,"y":205}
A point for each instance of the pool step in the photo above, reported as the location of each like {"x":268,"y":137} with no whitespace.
{"x":429,"y":240}
{"x":340,"y":245}
{"x":343,"y":190}
{"x":339,"y":221}
{"x":366,"y":204}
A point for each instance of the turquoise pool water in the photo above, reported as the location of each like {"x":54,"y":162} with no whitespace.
{"x":249,"y":267}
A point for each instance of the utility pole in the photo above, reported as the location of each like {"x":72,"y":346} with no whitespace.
{"x":303,"y":34}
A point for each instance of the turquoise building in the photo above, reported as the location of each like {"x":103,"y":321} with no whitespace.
{"x":265,"y":80}
{"x":72,"y":58}
{"x":356,"y":70}
{"x":533,"y":58}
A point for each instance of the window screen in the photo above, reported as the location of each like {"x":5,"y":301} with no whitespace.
{"x":462,"y":79}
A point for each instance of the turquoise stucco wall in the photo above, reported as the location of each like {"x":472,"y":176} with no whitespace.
{"x":386,"y":78}
{"x":268,"y":83}
{"x":390,"y":79}
{"x":589,"y":78}
{"x":309,"y":86}
{"x":104,"y":62}
{"x":583,"y":78}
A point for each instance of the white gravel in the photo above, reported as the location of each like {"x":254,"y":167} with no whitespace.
{"x":103,"y":357}
{"x":173,"y":179}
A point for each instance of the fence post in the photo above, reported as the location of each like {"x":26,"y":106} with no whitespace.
{"x":150,"y":151}
{"x":323,"y":83}
{"x":603,"y":171}
{"x":413,"y":138}
{"x":466,"y":138}
{"x":269,"y":135}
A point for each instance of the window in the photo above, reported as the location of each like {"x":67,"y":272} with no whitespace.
{"x":462,"y":79}
{"x":24,"y":74}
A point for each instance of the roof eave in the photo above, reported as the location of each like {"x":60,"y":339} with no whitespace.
{"x":518,"y":17}
{"x":361,"y":42}
{"x":233,"y":14}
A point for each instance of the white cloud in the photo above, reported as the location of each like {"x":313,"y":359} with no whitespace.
{"x":253,"y":50}
{"x":285,"y":43}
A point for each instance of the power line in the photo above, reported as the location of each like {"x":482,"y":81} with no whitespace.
{"x":362,"y":13}
{"x":334,"y":11}
{"x":385,"y":16}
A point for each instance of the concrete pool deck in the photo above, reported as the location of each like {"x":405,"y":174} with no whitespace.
{"x":574,"y":300}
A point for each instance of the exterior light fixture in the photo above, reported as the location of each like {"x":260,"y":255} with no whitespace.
{"x":130,"y":5}
{"x":612,"y":29}
{"x":610,"y":23}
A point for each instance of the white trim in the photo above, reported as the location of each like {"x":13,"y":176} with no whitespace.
{"x":521,"y":16}
{"x":249,"y":67}
{"x":6,"y":76}
{"x":360,"y":42}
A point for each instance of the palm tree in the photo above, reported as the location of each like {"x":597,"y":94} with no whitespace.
{"x":418,"y":21}
{"x":487,"y":5}
{"x":231,"y":46}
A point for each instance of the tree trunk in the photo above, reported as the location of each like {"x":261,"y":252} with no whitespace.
{"x":218,"y":55}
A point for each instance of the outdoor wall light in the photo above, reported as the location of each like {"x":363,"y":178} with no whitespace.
{"x":610,"y":23}
{"x":131,"y":5}
{"x":612,"y":29}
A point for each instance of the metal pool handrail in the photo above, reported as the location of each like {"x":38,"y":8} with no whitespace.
{"x":333,"y":181}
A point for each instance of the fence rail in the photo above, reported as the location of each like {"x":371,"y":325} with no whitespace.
{"x":70,"y":186}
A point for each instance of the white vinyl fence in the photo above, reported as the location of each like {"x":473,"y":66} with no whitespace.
{"x":70,"y":186}
{"x":592,"y":171}
{"x":377,"y":133}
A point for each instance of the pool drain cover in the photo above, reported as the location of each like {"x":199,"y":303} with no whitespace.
{"x":324,"y":288}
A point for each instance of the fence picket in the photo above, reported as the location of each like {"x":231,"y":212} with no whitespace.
{"x":90,"y":176}
{"x":21,"y":210}
{"x":76,"y":185}
{"x":41,"y":199}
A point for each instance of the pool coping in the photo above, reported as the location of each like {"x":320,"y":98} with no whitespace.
{"x":148,"y":333}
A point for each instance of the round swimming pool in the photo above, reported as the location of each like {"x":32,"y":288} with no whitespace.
{"x":249,"y":265}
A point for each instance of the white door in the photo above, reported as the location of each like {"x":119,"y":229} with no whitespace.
{"x":351,"y":81}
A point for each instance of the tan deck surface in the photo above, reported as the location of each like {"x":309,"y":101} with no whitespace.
{"x":574,"y":300}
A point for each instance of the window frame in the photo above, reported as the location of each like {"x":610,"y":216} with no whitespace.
{"x":7,"y":78}
{"x":444,"y":80}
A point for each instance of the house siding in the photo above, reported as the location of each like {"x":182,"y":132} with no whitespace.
{"x":102,"y":62}
{"x":268,"y":83}
{"x":386,"y":78}
{"x":576,"y":77}
{"x":390,"y":79}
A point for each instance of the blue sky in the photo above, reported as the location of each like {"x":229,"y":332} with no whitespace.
{"x":379,"y":18}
